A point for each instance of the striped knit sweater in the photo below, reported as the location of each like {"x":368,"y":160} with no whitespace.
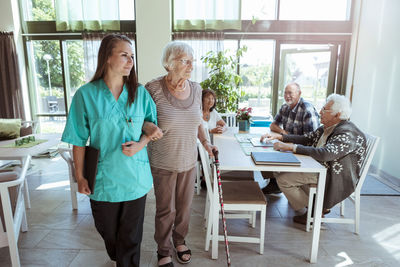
{"x":179,"y":120}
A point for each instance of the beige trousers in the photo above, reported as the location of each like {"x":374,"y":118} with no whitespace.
{"x":174,"y":194}
{"x":295,"y":186}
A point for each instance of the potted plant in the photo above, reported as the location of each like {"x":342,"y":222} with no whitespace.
{"x":223,"y":78}
{"x":243,"y":116}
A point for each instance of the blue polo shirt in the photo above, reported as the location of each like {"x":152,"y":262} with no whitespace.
{"x":96,"y":115}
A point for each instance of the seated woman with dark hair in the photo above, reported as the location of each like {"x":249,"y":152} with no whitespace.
{"x":212,"y":121}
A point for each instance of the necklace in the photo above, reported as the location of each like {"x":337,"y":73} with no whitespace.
{"x":175,"y":88}
{"x":206,"y":117}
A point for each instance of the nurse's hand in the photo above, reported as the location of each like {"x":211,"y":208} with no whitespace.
{"x":83,"y":186}
{"x":130,"y":148}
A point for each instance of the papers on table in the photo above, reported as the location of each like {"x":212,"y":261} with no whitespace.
{"x":48,"y":153}
{"x":266,"y":143}
{"x":247,"y":146}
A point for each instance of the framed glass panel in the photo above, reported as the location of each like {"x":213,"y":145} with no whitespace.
{"x":309,"y":66}
{"x":127,"y":9}
{"x":336,"y":10}
{"x":74,"y":67}
{"x":43,"y":10}
{"x":258,"y":9}
{"x":53,"y":124}
{"x":46,"y":74}
{"x":256,"y":71}
{"x":38,"y":10}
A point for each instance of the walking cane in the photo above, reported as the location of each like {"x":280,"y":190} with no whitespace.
{"x":221,"y":200}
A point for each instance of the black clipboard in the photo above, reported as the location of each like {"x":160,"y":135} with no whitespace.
{"x":90,"y":166}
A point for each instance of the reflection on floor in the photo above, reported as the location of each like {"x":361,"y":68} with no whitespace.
{"x":58,"y":236}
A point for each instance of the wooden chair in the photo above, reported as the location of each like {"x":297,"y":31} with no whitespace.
{"x":66,"y":154}
{"x":242,"y":196}
{"x":372,"y":144}
{"x":13,"y":209}
{"x":230,"y":119}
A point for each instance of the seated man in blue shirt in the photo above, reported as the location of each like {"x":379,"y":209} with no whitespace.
{"x":296,"y":116}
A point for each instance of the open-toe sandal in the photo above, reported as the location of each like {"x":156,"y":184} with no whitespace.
{"x":169,"y":264}
{"x":179,"y":255}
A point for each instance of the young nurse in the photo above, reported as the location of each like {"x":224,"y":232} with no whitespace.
{"x":110,"y":111}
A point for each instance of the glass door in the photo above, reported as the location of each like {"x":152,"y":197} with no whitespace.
{"x":312,"y":66}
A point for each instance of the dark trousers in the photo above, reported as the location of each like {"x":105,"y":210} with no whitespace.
{"x":121,"y":226}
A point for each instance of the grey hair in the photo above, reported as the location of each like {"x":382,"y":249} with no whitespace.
{"x":340,"y":104}
{"x":295,"y":85}
{"x":174,"y":50}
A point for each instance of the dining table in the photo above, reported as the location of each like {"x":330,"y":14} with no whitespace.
{"x":234,"y":155}
{"x":42,"y":143}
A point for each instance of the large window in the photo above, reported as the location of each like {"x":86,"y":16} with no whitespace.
{"x":44,"y":10}
{"x":256,"y":71}
{"x":307,"y":65}
{"x":57,"y":64}
{"x":314,"y":10}
{"x":287,"y":41}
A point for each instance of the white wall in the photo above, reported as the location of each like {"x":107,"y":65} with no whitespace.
{"x":376,"y":88}
{"x":6,"y":17}
{"x":153,"y":32}
{"x":10,"y":22}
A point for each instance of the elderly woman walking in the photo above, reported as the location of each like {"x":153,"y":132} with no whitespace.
{"x":173,"y":158}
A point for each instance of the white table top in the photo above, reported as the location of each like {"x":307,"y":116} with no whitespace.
{"x":18,"y":153}
{"x":231,"y":156}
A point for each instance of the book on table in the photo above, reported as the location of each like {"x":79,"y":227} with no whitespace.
{"x":90,"y":166}
{"x":275,"y":158}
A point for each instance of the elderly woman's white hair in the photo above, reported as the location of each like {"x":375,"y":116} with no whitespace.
{"x":340,"y":104}
{"x":174,"y":50}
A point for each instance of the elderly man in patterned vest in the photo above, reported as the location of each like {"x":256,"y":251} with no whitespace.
{"x":338,"y":144}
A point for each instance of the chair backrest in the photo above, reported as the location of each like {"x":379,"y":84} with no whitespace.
{"x":372,"y":144}
{"x":6,"y":184}
{"x":32,"y":124}
{"x":207,"y":170}
{"x":66,"y":154}
{"x":230,"y":119}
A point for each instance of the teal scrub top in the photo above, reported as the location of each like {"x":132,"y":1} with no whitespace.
{"x":96,"y":115}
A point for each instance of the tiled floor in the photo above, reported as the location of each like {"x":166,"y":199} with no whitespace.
{"x":59,"y":237}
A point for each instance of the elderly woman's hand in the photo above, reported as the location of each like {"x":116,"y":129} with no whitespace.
{"x":209,"y":148}
{"x":217,"y":130}
{"x":152,"y":131}
{"x":271,"y":136}
{"x":280,"y":146}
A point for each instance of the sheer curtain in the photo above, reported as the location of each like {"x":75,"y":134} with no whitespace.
{"x":11,"y":102}
{"x":93,"y":15}
{"x":91,"y":45}
{"x":207,"y":15}
{"x":201,"y":42}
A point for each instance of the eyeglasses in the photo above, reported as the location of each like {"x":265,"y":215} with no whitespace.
{"x":186,"y":62}
{"x":326,"y":110}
